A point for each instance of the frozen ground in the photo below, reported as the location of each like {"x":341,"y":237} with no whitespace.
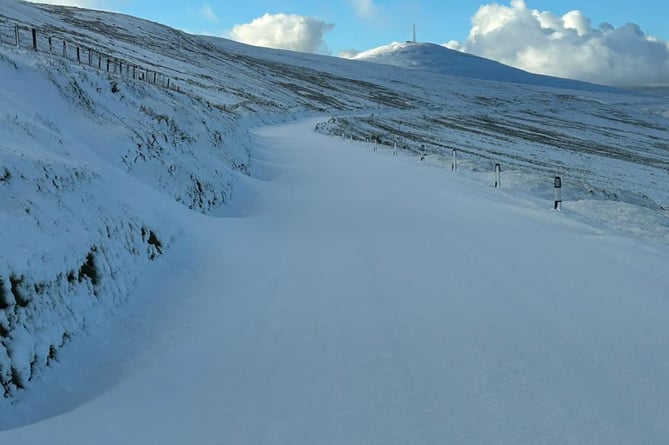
{"x":358,"y":297}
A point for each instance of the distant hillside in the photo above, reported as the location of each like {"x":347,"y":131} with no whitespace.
{"x":439,"y":59}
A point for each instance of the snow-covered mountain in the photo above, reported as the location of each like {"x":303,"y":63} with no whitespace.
{"x":439,"y":59}
{"x":99,"y":170}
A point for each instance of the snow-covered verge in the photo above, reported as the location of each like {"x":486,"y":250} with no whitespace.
{"x":608,"y":149}
{"x":82,"y":158}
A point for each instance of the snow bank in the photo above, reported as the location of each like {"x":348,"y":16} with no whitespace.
{"x":90,"y":167}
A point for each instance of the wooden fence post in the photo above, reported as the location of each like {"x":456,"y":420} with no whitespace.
{"x":64,"y":49}
{"x":34,"y":32}
{"x":78,"y":55}
{"x":50,"y":45}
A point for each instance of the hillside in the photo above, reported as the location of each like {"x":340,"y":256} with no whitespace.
{"x":441,"y":60}
{"x":108,"y":157}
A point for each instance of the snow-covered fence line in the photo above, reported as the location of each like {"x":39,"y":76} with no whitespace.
{"x":538,"y":176}
{"x":35,"y":39}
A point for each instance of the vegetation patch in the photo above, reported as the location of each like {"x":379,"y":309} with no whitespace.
{"x":152,"y":240}
{"x":6,"y":175}
{"x":16,"y":379}
{"x":4,"y":304}
{"x":16,"y":284}
{"x":88,"y":269}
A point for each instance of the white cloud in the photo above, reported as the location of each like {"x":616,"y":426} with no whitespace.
{"x":364,"y":8}
{"x":284,"y":31}
{"x":566,"y":46}
{"x":348,"y":53}
{"x":209,"y":13}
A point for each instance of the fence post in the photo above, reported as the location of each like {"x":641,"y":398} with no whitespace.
{"x":498,"y":176}
{"x":99,"y":61}
{"x":34,"y":31}
{"x":78,"y":55}
{"x":64,"y":49}
{"x":154,"y":77}
{"x":395,"y":148}
{"x":107,"y":64}
{"x":50,"y":45}
{"x":16,"y":31}
{"x":168,"y":83}
{"x":454,"y":163}
{"x":557,"y":183}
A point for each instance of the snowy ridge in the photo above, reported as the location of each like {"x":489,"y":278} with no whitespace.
{"x":442,"y":60}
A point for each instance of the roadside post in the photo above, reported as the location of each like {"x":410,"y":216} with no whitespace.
{"x":557,"y":183}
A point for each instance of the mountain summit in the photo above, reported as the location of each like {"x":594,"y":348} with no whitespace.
{"x":439,"y":59}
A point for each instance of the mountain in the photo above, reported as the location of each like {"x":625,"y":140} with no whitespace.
{"x":439,"y":59}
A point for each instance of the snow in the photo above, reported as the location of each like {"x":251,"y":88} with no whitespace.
{"x":174,"y":270}
{"x":441,"y":60}
{"x":343,"y":305}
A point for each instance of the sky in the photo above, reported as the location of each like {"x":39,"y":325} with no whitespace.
{"x":613,"y":42}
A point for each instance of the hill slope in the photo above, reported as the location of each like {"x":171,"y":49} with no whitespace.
{"x":439,"y":59}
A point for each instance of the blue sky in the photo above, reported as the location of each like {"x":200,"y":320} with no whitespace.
{"x":612,"y":42}
{"x":437,"y":21}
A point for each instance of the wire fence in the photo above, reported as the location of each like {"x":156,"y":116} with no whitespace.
{"x":35,"y":39}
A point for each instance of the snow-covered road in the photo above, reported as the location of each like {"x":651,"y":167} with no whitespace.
{"x":361,"y":298}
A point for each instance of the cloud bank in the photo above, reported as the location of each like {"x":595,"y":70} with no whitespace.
{"x":284,"y":31}
{"x":567,"y":46}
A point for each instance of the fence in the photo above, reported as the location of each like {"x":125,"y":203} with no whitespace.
{"x":35,"y":39}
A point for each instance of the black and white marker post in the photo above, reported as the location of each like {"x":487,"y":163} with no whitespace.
{"x":558,"y":193}
{"x":454,"y":164}
{"x":498,"y":176}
